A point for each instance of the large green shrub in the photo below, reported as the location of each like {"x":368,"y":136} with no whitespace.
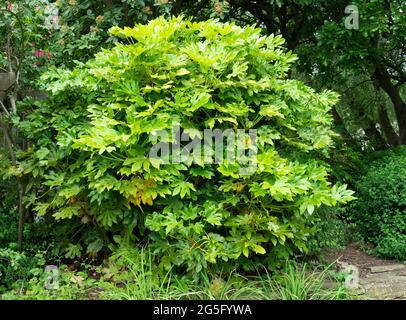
{"x":93,"y":136}
{"x":380,"y":210}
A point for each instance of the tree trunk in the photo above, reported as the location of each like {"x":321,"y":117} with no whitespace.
{"x":391,"y":136}
{"x":20,"y":182}
{"x":384,"y":80}
{"x":176,"y":8}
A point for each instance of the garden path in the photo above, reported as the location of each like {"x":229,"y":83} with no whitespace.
{"x":373,"y":277}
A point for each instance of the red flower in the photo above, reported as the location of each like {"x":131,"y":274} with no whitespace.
{"x":9,"y":6}
{"x":39,"y":53}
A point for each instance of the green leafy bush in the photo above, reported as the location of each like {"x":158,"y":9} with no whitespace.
{"x":331,"y":231}
{"x":347,"y":164}
{"x":16,"y":268}
{"x":92,"y":137}
{"x":380,"y":210}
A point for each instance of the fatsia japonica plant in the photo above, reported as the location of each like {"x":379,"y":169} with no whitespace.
{"x":93,"y":136}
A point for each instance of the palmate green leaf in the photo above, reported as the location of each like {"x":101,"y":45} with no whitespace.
{"x":214,"y":218}
{"x":190,"y":213}
{"x":107,"y":182}
{"x":182,"y":188}
{"x":149,"y":125}
{"x":280,"y":189}
{"x":340,"y":193}
{"x":41,"y":208}
{"x":271,"y":110}
{"x":171,"y":223}
{"x":42,"y":153}
{"x":201,"y":172}
{"x":137,"y":163}
{"x":94,"y":246}
{"x":70,"y":191}
{"x":199,"y":100}
{"x":73,"y":251}
{"x":67,"y":212}
{"x":54,"y":179}
{"x":108,"y":217}
{"x":234,"y":109}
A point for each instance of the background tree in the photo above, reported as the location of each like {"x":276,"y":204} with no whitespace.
{"x":366,"y":62}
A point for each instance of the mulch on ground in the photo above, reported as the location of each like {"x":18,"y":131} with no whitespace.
{"x":354,"y":256}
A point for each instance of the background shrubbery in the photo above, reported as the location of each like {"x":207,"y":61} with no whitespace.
{"x":380,"y":210}
{"x":331,"y":230}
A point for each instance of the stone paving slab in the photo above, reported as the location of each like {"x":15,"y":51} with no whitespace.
{"x":393,"y":267}
{"x":385,"y":282}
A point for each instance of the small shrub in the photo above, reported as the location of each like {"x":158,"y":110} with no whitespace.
{"x":380,"y":211}
{"x":16,"y":268}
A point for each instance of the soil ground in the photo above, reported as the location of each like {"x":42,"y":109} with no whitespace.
{"x":352,"y":254}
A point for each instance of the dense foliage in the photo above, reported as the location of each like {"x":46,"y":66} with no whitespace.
{"x":332,"y":232}
{"x":91,"y":141}
{"x":380,"y":211}
{"x":86,"y":93}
